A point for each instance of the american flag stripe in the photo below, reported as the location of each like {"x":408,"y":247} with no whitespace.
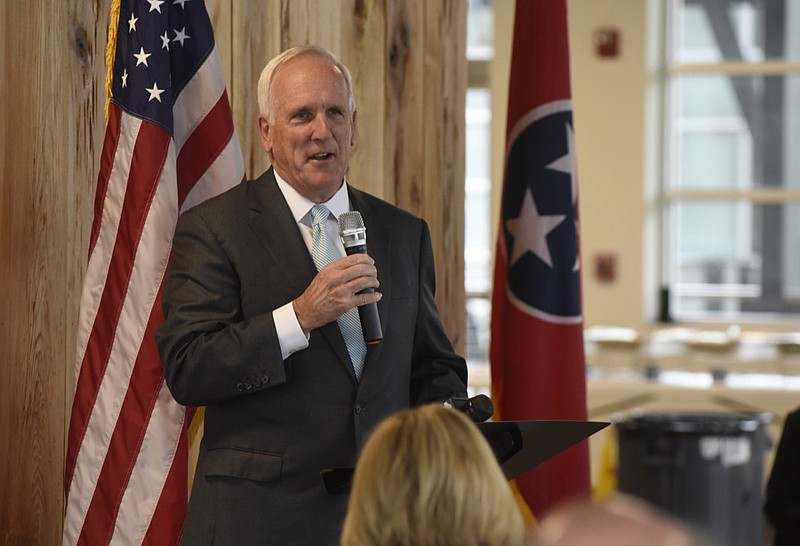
{"x":118,"y":331}
{"x":126,"y":469}
{"x":149,"y":474}
{"x":199,"y":96}
{"x":107,"y":158}
{"x":202,"y":147}
{"x":173,"y":498}
{"x":108,"y":274}
{"x":128,"y":439}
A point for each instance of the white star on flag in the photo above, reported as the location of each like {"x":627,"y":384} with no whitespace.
{"x":181,"y":36}
{"x":530,"y":231}
{"x":155,"y":92}
{"x":566,"y":163}
{"x":141,"y":57}
{"x":155,"y":5}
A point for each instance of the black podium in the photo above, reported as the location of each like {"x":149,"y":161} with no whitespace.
{"x":521,"y":445}
{"x":518,"y":446}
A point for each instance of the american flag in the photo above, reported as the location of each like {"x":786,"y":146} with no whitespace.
{"x":537,"y":355}
{"x":169,"y":144}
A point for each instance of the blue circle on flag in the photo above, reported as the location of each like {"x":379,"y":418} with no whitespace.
{"x":539,"y":211}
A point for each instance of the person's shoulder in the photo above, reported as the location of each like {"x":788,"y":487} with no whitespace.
{"x":794,"y":416}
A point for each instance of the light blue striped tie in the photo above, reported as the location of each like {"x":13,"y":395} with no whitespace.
{"x":323,"y":252}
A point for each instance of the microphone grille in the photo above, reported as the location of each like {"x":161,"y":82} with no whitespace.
{"x":350,"y":220}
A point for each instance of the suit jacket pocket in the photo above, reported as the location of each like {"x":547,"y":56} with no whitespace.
{"x":240,"y":463}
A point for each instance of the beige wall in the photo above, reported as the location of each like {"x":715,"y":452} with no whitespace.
{"x":609,"y":97}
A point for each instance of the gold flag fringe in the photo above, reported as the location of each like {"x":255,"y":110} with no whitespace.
{"x":111,"y":49}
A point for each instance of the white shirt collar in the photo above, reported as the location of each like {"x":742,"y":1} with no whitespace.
{"x":300,"y":205}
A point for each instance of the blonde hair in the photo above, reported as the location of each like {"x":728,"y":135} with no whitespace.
{"x":264,"y":89}
{"x":428,"y":477}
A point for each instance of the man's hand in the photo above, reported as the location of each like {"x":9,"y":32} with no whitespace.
{"x":333,"y":291}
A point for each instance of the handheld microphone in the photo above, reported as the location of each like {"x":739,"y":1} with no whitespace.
{"x":478,"y":408}
{"x":354,"y":239}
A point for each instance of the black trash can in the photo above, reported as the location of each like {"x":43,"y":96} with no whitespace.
{"x":707,"y":469}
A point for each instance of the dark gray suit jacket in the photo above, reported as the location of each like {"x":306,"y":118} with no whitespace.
{"x":272,"y":425}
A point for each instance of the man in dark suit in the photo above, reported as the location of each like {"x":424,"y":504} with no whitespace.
{"x":251,"y":328}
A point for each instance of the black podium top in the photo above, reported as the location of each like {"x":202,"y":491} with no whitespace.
{"x":521,"y":445}
{"x":518,"y":446}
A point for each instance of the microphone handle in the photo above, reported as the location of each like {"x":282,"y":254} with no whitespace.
{"x":370,"y":321}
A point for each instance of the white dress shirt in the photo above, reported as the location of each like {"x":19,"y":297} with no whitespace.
{"x":290,"y":335}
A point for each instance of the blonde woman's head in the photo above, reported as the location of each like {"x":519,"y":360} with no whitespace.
{"x":427,"y":476}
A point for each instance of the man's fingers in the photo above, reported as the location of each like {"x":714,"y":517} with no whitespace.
{"x":337,"y":288}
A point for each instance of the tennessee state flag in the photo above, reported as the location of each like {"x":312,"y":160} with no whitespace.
{"x":537,"y":356}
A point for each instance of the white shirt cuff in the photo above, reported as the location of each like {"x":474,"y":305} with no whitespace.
{"x":290,"y":336}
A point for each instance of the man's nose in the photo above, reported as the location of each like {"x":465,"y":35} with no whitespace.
{"x":320,"y":127}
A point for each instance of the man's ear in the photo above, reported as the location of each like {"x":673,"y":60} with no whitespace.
{"x":263,"y":130}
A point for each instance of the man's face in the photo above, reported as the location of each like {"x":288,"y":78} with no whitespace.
{"x":312,"y":129}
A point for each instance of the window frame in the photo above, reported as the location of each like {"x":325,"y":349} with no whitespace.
{"x":669,"y":71}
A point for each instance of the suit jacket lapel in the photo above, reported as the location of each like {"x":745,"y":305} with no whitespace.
{"x":272,"y":221}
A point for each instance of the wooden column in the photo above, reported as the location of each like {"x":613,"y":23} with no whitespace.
{"x":51,"y":61}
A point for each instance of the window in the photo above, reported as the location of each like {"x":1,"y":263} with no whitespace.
{"x":731,"y":170}
{"x":478,"y":247}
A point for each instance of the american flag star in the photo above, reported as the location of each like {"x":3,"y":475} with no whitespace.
{"x":153,"y":62}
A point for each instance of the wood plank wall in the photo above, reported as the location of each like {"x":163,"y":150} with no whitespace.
{"x":407,"y":60}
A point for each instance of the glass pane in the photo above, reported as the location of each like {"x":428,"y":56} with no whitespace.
{"x":711,"y":31}
{"x":477,"y":246}
{"x":478,"y":315}
{"x":480,"y":30}
{"x":730,"y":258}
{"x":735,"y":132}
{"x":478,"y":133}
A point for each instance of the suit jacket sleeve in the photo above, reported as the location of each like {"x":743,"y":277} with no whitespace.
{"x":437,"y":372}
{"x":212,"y":349}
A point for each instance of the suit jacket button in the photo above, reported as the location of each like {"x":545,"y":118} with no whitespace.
{"x":257,"y":381}
{"x":265,"y":379}
{"x":248,"y":384}
{"x":240,"y":386}
{"x":360,"y":408}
